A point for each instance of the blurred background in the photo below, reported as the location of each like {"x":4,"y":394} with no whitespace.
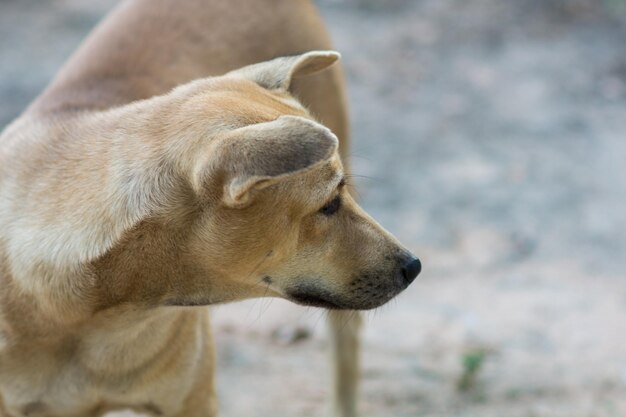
{"x":490,"y":137}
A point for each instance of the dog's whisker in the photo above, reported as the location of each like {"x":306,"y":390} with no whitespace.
{"x":367,"y":177}
{"x":271,"y":300}
{"x":354,"y":155}
{"x":262,"y":308}
{"x":320,"y":315}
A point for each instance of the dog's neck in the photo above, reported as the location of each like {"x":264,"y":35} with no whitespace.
{"x":51,"y":249}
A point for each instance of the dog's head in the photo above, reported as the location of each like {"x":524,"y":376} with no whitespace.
{"x":278,"y":218}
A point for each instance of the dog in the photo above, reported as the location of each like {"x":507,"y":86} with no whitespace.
{"x":190,"y":153}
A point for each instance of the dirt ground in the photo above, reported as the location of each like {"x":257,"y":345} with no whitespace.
{"x":491,"y":138}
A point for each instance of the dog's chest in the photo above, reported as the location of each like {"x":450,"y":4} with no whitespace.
{"x":103,"y":369}
{"x":64,"y":389}
{"x":42,"y":385}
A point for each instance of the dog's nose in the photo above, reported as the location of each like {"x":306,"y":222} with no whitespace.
{"x":411,"y":270}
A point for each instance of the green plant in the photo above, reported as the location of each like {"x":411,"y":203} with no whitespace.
{"x":472,"y":362}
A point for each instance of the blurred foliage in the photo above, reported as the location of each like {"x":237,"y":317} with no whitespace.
{"x":473,"y":361}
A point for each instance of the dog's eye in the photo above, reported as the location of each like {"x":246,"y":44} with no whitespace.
{"x":332,"y":207}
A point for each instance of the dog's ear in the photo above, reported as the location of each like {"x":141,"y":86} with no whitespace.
{"x":259,"y":155}
{"x":279,"y":72}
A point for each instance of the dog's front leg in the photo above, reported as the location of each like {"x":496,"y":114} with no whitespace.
{"x":201,"y":403}
{"x":344,"y":332}
{"x":202,"y":400}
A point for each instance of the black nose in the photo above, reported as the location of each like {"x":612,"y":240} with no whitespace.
{"x":411,"y":270}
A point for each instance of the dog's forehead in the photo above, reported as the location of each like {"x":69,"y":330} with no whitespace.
{"x":332,"y":171}
{"x":321,"y":182}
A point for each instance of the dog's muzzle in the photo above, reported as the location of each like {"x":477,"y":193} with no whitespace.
{"x":365,"y":291}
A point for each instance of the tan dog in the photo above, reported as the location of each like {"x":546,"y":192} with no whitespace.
{"x":123,"y":203}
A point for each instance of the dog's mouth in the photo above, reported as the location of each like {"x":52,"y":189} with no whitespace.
{"x":313,"y":296}
{"x":313,"y":300}
{"x":360,"y":296}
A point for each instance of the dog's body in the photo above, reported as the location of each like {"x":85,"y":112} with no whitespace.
{"x":123,"y":204}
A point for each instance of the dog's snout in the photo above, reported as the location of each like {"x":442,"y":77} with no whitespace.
{"x":411,"y":270}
